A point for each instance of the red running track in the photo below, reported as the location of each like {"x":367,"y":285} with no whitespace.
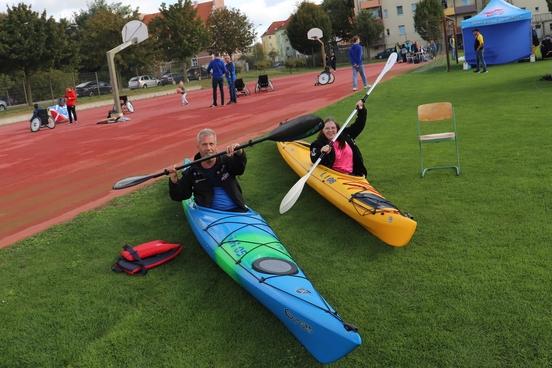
{"x":51,"y":176}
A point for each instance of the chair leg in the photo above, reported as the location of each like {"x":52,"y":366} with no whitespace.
{"x":422,"y":170}
{"x":457,"y":157}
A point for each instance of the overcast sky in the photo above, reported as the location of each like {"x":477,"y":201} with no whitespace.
{"x":260,"y":12}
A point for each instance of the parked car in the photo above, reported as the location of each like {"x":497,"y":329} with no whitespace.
{"x":171,"y":78}
{"x":385,"y":53}
{"x":195,"y":72}
{"x":143,"y":81}
{"x":93,"y":88}
{"x":3,"y":105}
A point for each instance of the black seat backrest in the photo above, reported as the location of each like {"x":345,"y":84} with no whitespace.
{"x":238,"y":83}
{"x":263,"y":80}
{"x":41,"y":113}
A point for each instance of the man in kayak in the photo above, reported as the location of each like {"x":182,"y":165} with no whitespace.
{"x":212,"y":182}
{"x":343,"y":155}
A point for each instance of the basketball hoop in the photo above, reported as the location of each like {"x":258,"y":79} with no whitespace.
{"x":314,"y":34}
{"x":135,"y":32}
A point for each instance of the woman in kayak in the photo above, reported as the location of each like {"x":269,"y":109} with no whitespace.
{"x":342,"y":155}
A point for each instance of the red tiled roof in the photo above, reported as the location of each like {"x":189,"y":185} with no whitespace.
{"x":275,"y":26}
{"x":203,"y":11}
{"x":147,"y":18}
{"x":370,"y":4}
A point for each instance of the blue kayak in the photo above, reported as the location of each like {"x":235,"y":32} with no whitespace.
{"x":247,"y":249}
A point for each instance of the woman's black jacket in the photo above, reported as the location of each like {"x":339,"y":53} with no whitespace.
{"x":349,"y":134}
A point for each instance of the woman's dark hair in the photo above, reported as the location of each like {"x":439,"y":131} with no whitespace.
{"x":340,"y":139}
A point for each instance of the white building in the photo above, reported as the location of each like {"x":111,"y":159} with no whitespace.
{"x":276,"y":42}
{"x":397,"y":16}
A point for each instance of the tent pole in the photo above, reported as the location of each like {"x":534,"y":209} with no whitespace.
{"x":446,"y":41}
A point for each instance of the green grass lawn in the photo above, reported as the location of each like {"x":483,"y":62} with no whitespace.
{"x":473,"y":289}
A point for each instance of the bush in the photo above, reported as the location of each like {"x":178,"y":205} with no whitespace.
{"x":291,"y":63}
{"x":301,"y":62}
{"x":295,"y":63}
{"x":263,"y":64}
{"x":48,"y":85}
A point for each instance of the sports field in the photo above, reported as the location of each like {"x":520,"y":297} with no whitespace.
{"x":471,"y":290}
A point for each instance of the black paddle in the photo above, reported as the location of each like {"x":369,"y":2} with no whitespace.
{"x":291,"y":130}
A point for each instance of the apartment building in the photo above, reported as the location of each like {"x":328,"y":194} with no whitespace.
{"x":398,"y":16}
{"x":542,"y":17}
{"x":275,"y":40}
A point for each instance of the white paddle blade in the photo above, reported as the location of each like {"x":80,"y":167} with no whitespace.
{"x":391,"y":61}
{"x":293,"y":195}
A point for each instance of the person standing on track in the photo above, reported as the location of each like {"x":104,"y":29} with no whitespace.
{"x":218,"y":71}
{"x":182,"y":91}
{"x":355,"y":57}
{"x":231,"y":78}
{"x":71,"y":101}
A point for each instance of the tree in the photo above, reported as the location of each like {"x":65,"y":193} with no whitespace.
{"x":99,"y":30}
{"x":342,"y":17}
{"x":368,"y":28}
{"x":230,"y":31}
{"x":307,"y":16}
{"x":428,"y":19}
{"x":3,"y":47}
{"x":179,"y":33}
{"x":549,"y":2}
{"x":24,"y":35}
{"x":5,"y":84}
{"x":254,"y":54}
{"x":272,"y":55}
{"x":259,"y":52}
{"x":62,"y":39}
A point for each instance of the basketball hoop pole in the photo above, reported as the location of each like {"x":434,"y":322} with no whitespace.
{"x":133,"y":33}
{"x":316,"y":34}
{"x":322,"y":52}
{"x":113,"y":75}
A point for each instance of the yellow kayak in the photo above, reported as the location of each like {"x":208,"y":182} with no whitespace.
{"x":353,"y":195}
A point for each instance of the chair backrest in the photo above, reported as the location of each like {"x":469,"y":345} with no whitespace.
{"x":437,"y":111}
{"x":263,"y":80}
{"x":238,"y":83}
{"x":42,"y":114}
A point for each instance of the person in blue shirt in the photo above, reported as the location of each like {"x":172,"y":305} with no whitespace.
{"x":213,"y":182}
{"x":231,"y":78}
{"x":217,"y":68}
{"x":355,"y":57}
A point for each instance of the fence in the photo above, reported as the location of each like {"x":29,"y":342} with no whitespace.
{"x":48,"y":86}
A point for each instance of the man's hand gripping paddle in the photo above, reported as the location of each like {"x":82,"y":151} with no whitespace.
{"x":291,"y":130}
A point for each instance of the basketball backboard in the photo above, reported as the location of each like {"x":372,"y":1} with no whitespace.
{"x":135,"y":31}
{"x":314,"y":34}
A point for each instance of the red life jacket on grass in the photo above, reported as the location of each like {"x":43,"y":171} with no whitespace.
{"x":143,"y":257}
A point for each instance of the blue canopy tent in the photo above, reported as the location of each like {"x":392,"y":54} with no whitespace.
{"x":506,"y":30}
